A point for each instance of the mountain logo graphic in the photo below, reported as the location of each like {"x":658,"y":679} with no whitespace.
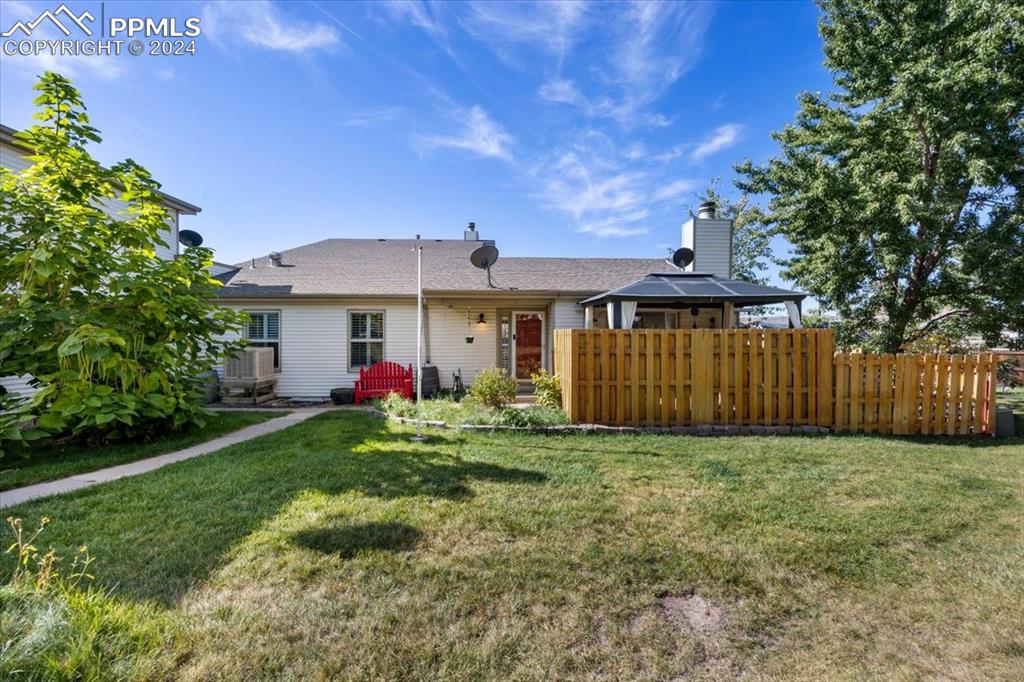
{"x":78,"y":20}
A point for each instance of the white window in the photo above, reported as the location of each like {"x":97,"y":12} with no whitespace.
{"x":264,"y":331}
{"x":365,"y":338}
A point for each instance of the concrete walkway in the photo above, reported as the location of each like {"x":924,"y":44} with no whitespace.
{"x":9,"y":498}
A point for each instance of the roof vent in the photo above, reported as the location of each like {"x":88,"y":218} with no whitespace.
{"x":706,"y":210}
{"x":275,"y":259}
{"x":471,"y":234}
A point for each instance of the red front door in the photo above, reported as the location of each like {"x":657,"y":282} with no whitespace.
{"x":529,"y":344}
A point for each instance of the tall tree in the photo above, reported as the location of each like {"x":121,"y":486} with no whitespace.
{"x":901,"y":190}
{"x":115,"y":337}
{"x":751,"y":236}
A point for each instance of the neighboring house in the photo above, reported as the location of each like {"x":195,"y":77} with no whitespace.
{"x":13,"y":155}
{"x":334,"y":306}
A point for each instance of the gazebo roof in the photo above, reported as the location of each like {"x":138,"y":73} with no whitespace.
{"x":692,"y":287}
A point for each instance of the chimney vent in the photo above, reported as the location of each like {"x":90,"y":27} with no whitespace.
{"x":471,"y":234}
{"x":275,"y":259}
{"x":706,"y":210}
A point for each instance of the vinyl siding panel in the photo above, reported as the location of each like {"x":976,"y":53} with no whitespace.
{"x":12,"y":159}
{"x":567,"y":314}
{"x":448,"y":348}
{"x":314,"y":343}
{"x":18,"y":385}
{"x":711,"y":241}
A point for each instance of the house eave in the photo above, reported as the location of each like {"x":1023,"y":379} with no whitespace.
{"x":180,"y":205}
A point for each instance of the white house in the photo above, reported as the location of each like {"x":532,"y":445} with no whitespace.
{"x":331,"y":307}
{"x":334,"y":306}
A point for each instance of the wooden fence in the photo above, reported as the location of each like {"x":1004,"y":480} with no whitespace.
{"x":766,"y":377}
{"x":915,"y":394}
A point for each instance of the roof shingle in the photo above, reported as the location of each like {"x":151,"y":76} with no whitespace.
{"x":387,"y":267}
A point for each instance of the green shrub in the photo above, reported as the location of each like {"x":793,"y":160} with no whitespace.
{"x":494,"y":388}
{"x":547,"y":388}
{"x":397,"y":405}
{"x":117,"y":339}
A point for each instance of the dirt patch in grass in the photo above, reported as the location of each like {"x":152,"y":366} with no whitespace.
{"x":691,"y":611}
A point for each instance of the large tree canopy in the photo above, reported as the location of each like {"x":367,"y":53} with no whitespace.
{"x":115,"y":337}
{"x":901,"y":190}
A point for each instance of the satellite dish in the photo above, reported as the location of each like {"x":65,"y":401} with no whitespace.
{"x":190,"y":238}
{"x":682,"y":257}
{"x":484,"y":257}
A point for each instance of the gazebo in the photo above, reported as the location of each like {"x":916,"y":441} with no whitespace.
{"x":684,"y":300}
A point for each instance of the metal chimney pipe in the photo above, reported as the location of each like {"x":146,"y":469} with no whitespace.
{"x":470,"y":234}
{"x":706,"y":210}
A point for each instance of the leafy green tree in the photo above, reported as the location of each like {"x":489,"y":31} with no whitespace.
{"x":751,"y":236}
{"x":115,"y":337}
{"x":901,"y":190}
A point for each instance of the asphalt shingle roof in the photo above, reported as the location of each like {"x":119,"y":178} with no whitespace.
{"x":696,"y":287}
{"x":387,"y":267}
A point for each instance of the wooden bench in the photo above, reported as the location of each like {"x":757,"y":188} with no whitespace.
{"x":382,"y":379}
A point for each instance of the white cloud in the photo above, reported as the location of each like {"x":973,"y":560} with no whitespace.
{"x":551,"y":26}
{"x":674,"y":190}
{"x":643,"y":48}
{"x":370,"y":118}
{"x":601,"y":195}
{"x":260,"y":23}
{"x":420,"y":15}
{"x":721,"y":138}
{"x":560,"y":90}
{"x":480,"y":135}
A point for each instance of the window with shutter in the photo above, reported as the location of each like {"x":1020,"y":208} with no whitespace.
{"x":366,"y":338}
{"x":264,"y":331}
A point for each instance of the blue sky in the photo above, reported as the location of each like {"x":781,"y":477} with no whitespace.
{"x":559,"y":128}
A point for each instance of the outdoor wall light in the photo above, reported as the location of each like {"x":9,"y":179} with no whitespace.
{"x":480,"y":319}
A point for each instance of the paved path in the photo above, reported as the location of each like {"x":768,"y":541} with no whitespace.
{"x":9,"y":498}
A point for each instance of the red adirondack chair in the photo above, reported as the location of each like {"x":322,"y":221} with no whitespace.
{"x":383,"y":378}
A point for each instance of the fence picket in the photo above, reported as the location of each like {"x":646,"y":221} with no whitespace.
{"x":745,"y":377}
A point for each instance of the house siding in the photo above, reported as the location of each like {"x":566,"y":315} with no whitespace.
{"x":711,"y":241}
{"x":448,"y":330}
{"x":314,"y":340}
{"x":567,"y":314}
{"x":314,"y":343}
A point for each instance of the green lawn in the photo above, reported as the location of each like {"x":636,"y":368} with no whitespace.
{"x":338,"y":549}
{"x":52,"y":462}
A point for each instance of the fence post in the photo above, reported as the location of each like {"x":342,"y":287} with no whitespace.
{"x":702,"y":379}
{"x":826,"y":358}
